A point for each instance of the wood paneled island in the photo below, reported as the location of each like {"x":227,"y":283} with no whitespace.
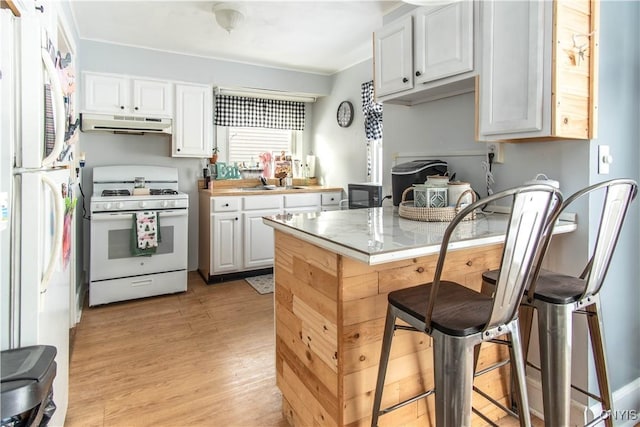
{"x":333,"y":271}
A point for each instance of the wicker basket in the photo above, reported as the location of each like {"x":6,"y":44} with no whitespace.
{"x":409,"y":211}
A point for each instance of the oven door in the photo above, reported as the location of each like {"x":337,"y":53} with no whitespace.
{"x":111,"y":255}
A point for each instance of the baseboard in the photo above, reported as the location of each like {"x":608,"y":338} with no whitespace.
{"x":626,"y":405}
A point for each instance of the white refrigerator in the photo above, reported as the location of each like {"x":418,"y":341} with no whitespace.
{"x":36,"y":185}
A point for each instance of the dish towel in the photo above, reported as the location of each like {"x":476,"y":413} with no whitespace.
{"x":145,"y":234}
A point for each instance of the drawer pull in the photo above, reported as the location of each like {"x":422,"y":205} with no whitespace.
{"x":226,"y":205}
{"x":420,"y":269}
{"x":469,"y":263}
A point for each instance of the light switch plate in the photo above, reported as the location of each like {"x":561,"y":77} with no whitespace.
{"x":604,"y":159}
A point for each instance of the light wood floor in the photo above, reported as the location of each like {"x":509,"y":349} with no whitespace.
{"x":201,"y":358}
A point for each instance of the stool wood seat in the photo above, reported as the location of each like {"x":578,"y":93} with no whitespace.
{"x":459,"y":319}
{"x":557,"y":296}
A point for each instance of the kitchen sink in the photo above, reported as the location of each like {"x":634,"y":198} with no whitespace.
{"x":259,"y":187}
{"x":272,"y":187}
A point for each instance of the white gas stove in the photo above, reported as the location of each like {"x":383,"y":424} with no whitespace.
{"x":120,"y":270}
{"x":114,"y":189}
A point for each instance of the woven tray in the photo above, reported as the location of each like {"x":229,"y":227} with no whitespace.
{"x":407,"y":210}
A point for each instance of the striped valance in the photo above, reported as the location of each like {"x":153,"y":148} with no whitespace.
{"x":259,"y":112}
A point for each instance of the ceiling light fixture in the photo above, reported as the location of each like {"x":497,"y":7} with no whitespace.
{"x":228,"y":15}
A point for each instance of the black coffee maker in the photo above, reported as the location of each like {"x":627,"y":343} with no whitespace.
{"x":405,"y":175}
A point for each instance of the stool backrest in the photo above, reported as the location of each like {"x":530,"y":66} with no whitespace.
{"x":532,"y":208}
{"x":618,"y":195}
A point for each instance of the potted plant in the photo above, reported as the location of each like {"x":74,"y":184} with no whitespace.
{"x":214,"y":155}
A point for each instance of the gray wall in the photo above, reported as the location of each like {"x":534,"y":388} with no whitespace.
{"x":108,"y":149}
{"x":341,"y":152}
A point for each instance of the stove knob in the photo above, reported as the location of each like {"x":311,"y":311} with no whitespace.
{"x":174,"y":203}
{"x":120,"y":205}
{"x":165,"y":203}
{"x":143,"y":204}
{"x":107,"y":206}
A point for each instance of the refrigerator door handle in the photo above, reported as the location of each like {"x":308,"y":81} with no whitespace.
{"x":57,"y":233}
{"x":57,"y":97}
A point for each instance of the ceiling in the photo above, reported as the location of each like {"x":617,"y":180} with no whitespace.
{"x":312,"y":36}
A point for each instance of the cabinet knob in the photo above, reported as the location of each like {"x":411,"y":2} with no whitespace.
{"x":122,"y":107}
{"x":404,"y":80}
{"x":135,"y":108}
{"x":236,"y":218}
{"x":418,"y":73}
{"x":226,"y":205}
{"x":40,"y":8}
{"x":177,"y":149}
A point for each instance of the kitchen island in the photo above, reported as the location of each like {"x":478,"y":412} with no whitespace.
{"x":333,"y":271}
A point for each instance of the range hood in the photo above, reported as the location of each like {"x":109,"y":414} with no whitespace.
{"x":120,"y":123}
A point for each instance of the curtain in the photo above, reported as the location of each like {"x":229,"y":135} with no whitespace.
{"x":259,"y":112}
{"x":372,"y":113}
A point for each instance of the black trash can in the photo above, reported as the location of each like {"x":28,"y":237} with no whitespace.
{"x":26,"y":395}
{"x":405,"y":175}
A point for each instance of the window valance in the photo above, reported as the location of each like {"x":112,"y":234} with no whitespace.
{"x":259,"y":112}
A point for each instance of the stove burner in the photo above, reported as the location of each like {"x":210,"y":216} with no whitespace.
{"x":106,"y":193}
{"x":161,"y":191}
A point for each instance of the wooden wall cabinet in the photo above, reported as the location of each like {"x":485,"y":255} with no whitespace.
{"x":538,"y":78}
{"x":419,"y":56}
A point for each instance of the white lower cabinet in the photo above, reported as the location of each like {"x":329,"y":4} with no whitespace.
{"x":237,"y":239}
{"x":305,"y":202}
{"x":226,"y":241}
{"x":258,"y":240}
{"x":331,"y":201}
{"x":258,"y":237}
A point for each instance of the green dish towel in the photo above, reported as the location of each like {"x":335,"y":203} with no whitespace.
{"x":145,"y":233}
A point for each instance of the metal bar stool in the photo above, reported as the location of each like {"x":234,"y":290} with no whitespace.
{"x":458,"y":318}
{"x":557,"y":296}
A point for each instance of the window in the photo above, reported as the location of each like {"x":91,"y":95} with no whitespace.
{"x":243,"y":144}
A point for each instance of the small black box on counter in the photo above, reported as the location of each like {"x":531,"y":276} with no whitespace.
{"x":405,"y":175}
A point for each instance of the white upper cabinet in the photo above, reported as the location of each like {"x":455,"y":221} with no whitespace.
{"x":513,"y":73}
{"x":443,"y":41}
{"x":152,"y":97}
{"x":538,"y":79}
{"x":394,"y":57}
{"x":426,"y":55}
{"x":112,"y":93}
{"x":193,"y":123}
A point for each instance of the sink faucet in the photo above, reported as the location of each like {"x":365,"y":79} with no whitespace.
{"x":263,"y":180}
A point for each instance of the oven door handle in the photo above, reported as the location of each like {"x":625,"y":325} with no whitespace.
{"x":104,"y":216}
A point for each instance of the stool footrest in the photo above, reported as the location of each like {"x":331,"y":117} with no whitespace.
{"x":484,"y":417}
{"x":603,"y":416}
{"x":406,"y":402}
{"x":495,"y":402}
{"x":575,"y":387}
{"x":492,"y":367}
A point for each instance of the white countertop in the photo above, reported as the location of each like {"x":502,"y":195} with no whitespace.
{"x":380,"y":235}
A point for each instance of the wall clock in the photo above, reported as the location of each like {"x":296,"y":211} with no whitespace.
{"x":345,"y":114}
